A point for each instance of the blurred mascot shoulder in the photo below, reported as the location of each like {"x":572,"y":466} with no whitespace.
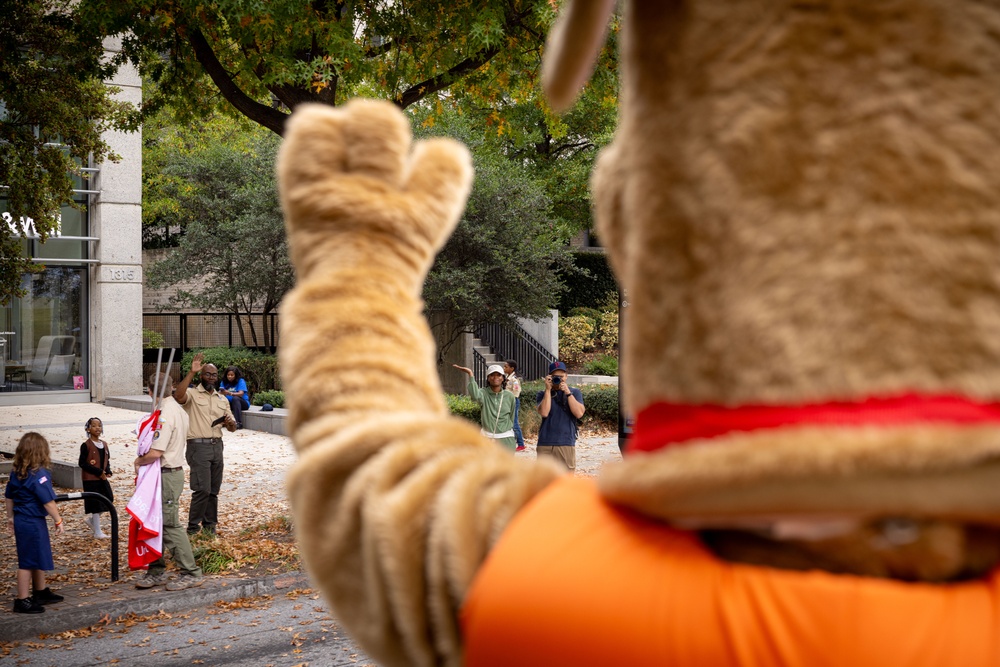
{"x":801,"y":204}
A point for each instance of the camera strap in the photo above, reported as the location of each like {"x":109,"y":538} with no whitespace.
{"x":499,"y":407}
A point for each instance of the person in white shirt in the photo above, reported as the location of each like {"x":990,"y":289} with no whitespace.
{"x":514,"y":387}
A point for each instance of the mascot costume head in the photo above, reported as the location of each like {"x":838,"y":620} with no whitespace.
{"x":802,"y":207}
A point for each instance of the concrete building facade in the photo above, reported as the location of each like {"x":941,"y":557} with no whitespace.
{"x":77,"y":334}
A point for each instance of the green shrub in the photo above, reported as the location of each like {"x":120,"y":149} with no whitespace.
{"x":260,"y":370}
{"x":592,"y":314}
{"x":605,"y":365}
{"x":607,"y":330}
{"x":151,"y":339}
{"x":576,"y":335}
{"x":275,"y":397}
{"x":463,"y":406}
{"x":529,"y":417}
{"x":530,"y":420}
{"x":601,"y":401}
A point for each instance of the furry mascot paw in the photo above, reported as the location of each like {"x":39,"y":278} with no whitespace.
{"x":396,"y":503}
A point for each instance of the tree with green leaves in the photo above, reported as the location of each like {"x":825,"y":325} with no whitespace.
{"x":264,"y":59}
{"x":54,"y":108}
{"x":497,"y":265}
{"x":232,"y":255}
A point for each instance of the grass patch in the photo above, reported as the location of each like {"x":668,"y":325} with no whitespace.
{"x":268,"y":547}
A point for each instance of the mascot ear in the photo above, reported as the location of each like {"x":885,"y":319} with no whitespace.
{"x":572,"y":48}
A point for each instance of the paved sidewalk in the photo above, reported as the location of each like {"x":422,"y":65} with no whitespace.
{"x":84,"y":606}
{"x":252,"y":493}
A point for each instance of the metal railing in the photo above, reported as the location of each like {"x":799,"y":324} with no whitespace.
{"x":479,"y":368}
{"x":186,"y":331}
{"x":513,"y":342}
{"x":110,"y":507}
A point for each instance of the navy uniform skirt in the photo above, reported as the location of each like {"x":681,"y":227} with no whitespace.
{"x":34,"y":551}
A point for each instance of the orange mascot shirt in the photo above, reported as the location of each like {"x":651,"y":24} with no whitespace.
{"x":576,"y":581}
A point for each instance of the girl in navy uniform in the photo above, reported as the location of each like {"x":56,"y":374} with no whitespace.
{"x":95,"y":460}
{"x":29,"y":497}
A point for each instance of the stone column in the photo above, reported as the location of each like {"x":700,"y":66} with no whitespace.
{"x":116,"y":282}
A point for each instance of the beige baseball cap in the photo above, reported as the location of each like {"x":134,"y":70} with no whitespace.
{"x":495,"y":368}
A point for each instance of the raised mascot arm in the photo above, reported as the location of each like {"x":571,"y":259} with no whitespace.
{"x":395,"y":503}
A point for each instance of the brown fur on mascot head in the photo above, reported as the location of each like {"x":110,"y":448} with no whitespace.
{"x":801,"y":205}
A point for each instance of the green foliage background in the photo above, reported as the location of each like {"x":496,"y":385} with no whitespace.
{"x":260,"y":370}
{"x":54,"y":113}
{"x":592,"y":289}
{"x":275,"y":397}
{"x":604,"y":365}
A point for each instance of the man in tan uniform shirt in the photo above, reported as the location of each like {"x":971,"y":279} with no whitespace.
{"x":167,"y":451}
{"x":204,"y":405}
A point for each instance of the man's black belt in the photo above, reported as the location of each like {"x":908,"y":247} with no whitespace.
{"x":204,"y":441}
{"x":166,"y":469}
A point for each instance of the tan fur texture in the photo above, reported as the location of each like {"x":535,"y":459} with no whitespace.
{"x":944,"y":472}
{"x":918,"y":551}
{"x":396,"y":504}
{"x":802,"y":203}
{"x":812,"y":192}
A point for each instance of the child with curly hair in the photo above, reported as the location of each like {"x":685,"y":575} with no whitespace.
{"x":29,"y":497}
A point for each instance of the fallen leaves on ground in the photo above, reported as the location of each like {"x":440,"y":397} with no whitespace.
{"x":258,"y":602}
{"x":255,"y":534}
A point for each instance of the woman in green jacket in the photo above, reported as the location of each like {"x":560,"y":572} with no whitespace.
{"x":497,"y":414}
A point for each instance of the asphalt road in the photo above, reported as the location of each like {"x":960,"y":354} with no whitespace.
{"x":292,"y":629}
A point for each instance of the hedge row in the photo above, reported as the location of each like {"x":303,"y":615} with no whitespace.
{"x":275,"y":397}
{"x":260,"y":370}
{"x":463,"y":406}
{"x":601,"y":401}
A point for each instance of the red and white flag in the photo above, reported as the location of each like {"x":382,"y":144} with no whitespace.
{"x":145,"y":529}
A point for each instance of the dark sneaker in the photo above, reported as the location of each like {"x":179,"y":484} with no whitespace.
{"x":194,"y":531}
{"x":209,"y":528}
{"x":185,"y":581}
{"x":27,"y":606}
{"x":151,"y":580}
{"x":47,"y":597}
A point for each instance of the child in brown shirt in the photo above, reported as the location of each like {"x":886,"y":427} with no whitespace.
{"x":95,"y":460}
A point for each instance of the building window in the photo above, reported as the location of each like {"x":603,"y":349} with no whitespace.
{"x":44,"y":342}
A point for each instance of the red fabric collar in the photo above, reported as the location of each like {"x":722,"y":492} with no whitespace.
{"x":665,"y":424}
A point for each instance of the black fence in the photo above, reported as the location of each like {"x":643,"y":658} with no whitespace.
{"x":513,"y":342}
{"x":186,"y":331}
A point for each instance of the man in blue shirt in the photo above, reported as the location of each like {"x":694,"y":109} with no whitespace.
{"x":560,"y":407}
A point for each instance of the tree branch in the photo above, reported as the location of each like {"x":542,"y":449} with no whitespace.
{"x":581,"y":145}
{"x":418,"y":91}
{"x":262,"y":114}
